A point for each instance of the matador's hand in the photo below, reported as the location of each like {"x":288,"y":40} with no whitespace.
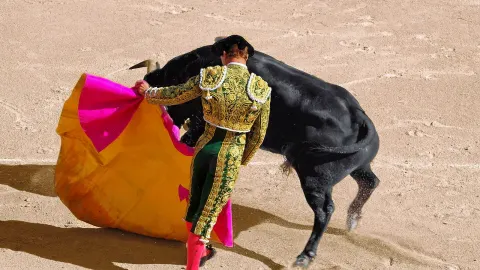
{"x":141,"y":86}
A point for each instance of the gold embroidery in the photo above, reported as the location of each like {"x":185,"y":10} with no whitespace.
{"x":227,"y":102}
{"x":257,"y":134}
{"x":212,"y":77}
{"x":174,"y":95}
{"x":230,"y":105}
{"x":226,"y":173}
{"x":258,"y":89}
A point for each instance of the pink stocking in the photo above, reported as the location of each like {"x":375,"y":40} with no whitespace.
{"x":195,"y":251}
{"x":189,"y":228}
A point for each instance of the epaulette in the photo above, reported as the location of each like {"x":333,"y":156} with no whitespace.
{"x":212,"y":78}
{"x":258,"y":89}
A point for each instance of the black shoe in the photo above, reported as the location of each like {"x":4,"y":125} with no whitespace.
{"x":209,"y":255}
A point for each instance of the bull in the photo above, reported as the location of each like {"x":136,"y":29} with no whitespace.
{"x":319,"y":127}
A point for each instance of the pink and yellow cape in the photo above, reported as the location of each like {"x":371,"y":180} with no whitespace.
{"x":121,"y":164}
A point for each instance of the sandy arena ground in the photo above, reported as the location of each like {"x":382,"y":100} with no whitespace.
{"x":413,"y":65}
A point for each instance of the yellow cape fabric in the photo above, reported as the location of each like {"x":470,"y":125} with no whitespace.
{"x":132,"y":184}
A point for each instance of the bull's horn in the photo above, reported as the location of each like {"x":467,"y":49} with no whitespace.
{"x":149,"y":64}
{"x":219,"y":38}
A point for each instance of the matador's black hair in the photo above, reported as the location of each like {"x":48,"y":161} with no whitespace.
{"x":226,"y":43}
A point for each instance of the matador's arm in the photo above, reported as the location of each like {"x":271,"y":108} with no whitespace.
{"x":174,"y":95}
{"x":257,"y":134}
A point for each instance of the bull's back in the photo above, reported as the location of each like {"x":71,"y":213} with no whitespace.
{"x":304,"y":107}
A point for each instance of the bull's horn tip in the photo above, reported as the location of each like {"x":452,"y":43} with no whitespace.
{"x":219,"y":38}
{"x":141,"y":64}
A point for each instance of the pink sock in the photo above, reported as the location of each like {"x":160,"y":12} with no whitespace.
{"x":195,"y":250}
{"x":189,"y":228}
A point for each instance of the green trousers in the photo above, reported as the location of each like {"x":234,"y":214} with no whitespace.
{"x":214,"y":171}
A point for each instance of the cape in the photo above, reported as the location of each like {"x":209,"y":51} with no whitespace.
{"x":121,"y":164}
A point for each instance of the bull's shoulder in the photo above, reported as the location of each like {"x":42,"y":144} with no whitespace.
{"x":212,"y":77}
{"x":258,"y":89}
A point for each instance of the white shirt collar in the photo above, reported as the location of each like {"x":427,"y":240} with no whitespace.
{"x":238,"y":64}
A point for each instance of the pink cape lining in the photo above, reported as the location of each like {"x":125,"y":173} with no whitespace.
{"x":105,"y":109}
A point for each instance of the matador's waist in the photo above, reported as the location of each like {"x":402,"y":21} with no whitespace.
{"x":227,"y":127}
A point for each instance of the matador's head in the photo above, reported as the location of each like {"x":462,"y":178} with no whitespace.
{"x":232,"y":47}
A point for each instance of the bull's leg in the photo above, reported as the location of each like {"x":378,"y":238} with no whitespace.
{"x":367,"y":182}
{"x":322,"y":205}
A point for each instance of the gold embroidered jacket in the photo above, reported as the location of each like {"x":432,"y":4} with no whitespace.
{"x":233,"y":99}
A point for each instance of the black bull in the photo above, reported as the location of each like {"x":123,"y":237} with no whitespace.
{"x":319,"y":127}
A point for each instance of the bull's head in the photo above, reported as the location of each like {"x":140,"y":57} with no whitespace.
{"x":176,"y":71}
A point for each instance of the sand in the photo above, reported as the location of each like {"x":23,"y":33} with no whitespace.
{"x":413,"y":65}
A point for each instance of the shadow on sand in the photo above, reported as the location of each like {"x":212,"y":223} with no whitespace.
{"x":36,"y":179}
{"x":99,"y":248}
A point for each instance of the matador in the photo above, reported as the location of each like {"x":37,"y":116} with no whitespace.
{"x":236,"y":108}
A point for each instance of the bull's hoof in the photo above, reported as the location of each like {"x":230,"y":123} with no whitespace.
{"x":352,"y":221}
{"x":303,"y":261}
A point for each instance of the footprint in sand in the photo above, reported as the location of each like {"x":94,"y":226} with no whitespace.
{"x":249,"y":24}
{"x":418,"y":133}
{"x":305,"y":33}
{"x":155,"y":22}
{"x":366,"y":20}
{"x":421,"y":37}
{"x":290,"y":33}
{"x":429,"y":77}
{"x":349,"y":43}
{"x":358,"y":47}
{"x":356,"y":8}
{"x":393,"y":74}
{"x":169,"y":8}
